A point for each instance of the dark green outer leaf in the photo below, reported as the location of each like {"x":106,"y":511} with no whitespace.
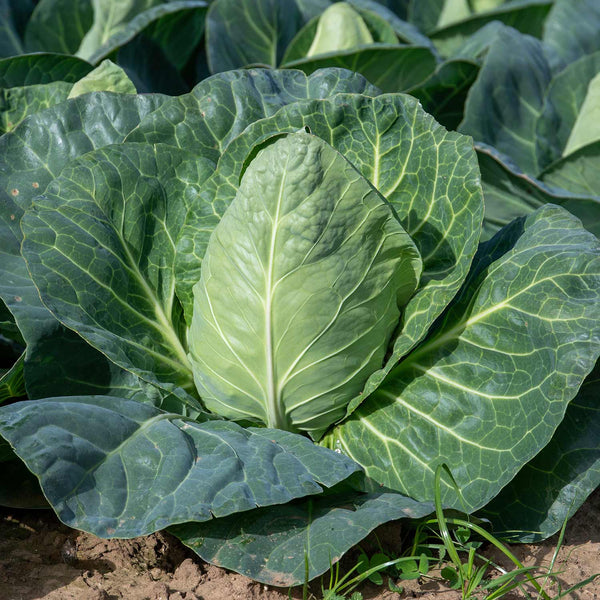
{"x":487,"y":390}
{"x":442,"y":212}
{"x":271,"y":546}
{"x":30,"y":157}
{"x":551,"y":487}
{"x":58,"y":26}
{"x":176,"y":27}
{"x":219,"y":108}
{"x":32,"y":69}
{"x":205,"y":121}
{"x":100,"y":248}
{"x":505,"y":103}
{"x":527,"y":16}
{"x":509,"y":193}
{"x":255,"y":32}
{"x":571,"y":30}
{"x":390,"y":67}
{"x":36,"y":152}
{"x":58,"y":361}
{"x":143,"y":469}
{"x":19,"y":102}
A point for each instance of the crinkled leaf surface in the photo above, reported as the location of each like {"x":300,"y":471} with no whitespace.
{"x":30,"y":83}
{"x":405,"y":154}
{"x":509,"y":193}
{"x":30,"y":157}
{"x":551,"y":487}
{"x":255,"y":32}
{"x":486,"y":391}
{"x":58,"y":25}
{"x":36,"y":152}
{"x":391,"y":67}
{"x":144,"y":469}
{"x":100,"y":248}
{"x":19,"y":102}
{"x":300,"y":289}
{"x":271,"y":546}
{"x":58,"y":361}
{"x":219,"y":108}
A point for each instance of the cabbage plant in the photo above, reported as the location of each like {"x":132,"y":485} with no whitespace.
{"x":259,"y":314}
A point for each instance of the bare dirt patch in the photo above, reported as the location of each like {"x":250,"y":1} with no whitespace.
{"x":41,"y":559}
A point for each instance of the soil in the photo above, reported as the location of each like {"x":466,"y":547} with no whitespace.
{"x":42,"y":559}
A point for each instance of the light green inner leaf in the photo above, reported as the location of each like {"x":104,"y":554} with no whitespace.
{"x":300,"y":289}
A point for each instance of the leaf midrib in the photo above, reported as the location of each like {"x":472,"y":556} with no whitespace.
{"x":274,"y":417}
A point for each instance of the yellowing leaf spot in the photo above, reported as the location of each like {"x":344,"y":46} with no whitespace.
{"x":18,"y":299}
{"x":12,"y":217}
{"x":36,"y":185}
{"x":15,"y":192}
